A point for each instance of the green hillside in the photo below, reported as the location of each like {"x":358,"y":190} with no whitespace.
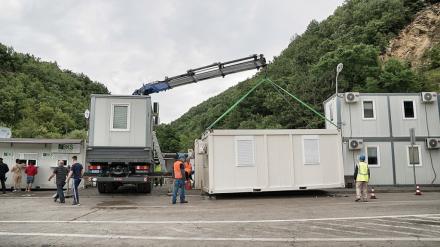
{"x":38,"y":99}
{"x":356,"y":35}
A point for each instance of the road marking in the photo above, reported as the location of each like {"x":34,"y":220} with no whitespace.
{"x":406,"y":233}
{"x":424,"y":219}
{"x":334,"y":229}
{"x":140,"y":206}
{"x":387,"y":202}
{"x":408,"y":221}
{"x":411,"y":228}
{"x":212,"y":221}
{"x":107,"y":236}
{"x":384,"y":230}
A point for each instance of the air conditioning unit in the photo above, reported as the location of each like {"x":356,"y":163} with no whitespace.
{"x":351,"y":97}
{"x":429,"y":97}
{"x":355,"y":144}
{"x":432,"y":143}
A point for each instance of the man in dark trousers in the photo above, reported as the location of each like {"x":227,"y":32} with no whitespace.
{"x":179,"y":180}
{"x":61,"y":173}
{"x":3,"y":170}
{"x":76,"y":171}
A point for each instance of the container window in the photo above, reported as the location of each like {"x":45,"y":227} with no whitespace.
{"x":245,"y":154}
{"x":414,"y":154}
{"x":368,"y":109}
{"x":311,"y":150}
{"x":120,"y":117}
{"x":373,"y":156}
{"x":409,"y":109}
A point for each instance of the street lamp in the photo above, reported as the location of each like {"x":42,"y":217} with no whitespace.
{"x":338,"y":70}
{"x":338,"y":107}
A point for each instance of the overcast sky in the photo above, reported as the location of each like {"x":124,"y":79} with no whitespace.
{"x":126,"y":43}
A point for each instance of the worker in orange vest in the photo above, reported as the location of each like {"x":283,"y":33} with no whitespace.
{"x":188,"y":170}
{"x":179,"y":181}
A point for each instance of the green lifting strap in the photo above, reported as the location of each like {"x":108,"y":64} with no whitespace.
{"x":235,"y":104}
{"x":302,"y":102}
{"x":276,"y":86}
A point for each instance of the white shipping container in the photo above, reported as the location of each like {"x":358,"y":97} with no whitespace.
{"x":230,"y":161}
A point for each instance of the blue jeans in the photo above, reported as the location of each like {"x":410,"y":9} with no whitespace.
{"x":76,"y":182}
{"x":60,"y":192}
{"x":179,"y":184}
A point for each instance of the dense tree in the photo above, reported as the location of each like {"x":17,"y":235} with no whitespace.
{"x":356,"y":35}
{"x":38,"y":99}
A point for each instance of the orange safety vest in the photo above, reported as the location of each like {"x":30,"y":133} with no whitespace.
{"x":177,"y":171}
{"x":188,"y":167}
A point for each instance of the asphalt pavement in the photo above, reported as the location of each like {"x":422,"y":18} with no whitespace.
{"x":306,"y":218}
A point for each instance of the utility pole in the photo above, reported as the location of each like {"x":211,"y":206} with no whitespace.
{"x":412,"y":135}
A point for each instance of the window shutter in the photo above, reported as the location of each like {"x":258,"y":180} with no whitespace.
{"x":311,"y":151}
{"x":245,"y":152}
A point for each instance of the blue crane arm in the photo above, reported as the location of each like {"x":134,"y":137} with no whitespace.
{"x":204,"y":73}
{"x":153,"y":87}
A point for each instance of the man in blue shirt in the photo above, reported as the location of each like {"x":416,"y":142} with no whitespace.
{"x":76,"y":171}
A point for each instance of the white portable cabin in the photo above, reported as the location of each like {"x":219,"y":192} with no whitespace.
{"x":230,"y":161}
{"x":45,"y":153}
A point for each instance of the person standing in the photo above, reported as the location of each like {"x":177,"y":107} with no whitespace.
{"x":30,"y":171}
{"x":158,"y":172}
{"x":188,"y":169}
{"x":362,"y":176}
{"x":76,"y":171}
{"x":17,"y":170}
{"x":179,"y":181}
{"x":3,"y":170}
{"x":61,"y":173}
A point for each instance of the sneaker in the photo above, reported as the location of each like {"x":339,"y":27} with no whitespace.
{"x":184,"y":202}
{"x":78,"y":204}
{"x":74,"y":204}
{"x":358,"y":199}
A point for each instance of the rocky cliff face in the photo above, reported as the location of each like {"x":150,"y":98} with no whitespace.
{"x":418,"y":37}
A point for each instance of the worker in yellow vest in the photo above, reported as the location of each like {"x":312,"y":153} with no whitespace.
{"x":362,"y":175}
{"x":158,"y":172}
{"x":179,"y":180}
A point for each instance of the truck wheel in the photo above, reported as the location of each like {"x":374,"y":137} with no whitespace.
{"x":144,"y":188}
{"x":109,"y":187}
{"x":101,"y":187}
{"x":148,"y":187}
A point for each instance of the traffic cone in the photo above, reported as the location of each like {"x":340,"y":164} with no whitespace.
{"x":372,"y":195}
{"x":418,"y":192}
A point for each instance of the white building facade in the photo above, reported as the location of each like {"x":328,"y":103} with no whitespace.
{"x":377,"y":125}
{"x":44,"y":153}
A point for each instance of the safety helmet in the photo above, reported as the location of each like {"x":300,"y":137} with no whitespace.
{"x":362,"y":157}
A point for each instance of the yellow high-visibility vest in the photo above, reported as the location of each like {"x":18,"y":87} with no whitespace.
{"x":157,"y":168}
{"x":362,"y":175}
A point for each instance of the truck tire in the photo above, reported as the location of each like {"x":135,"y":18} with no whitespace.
{"x":101,"y":187}
{"x":109,"y":187}
{"x":148,"y":186}
{"x":144,"y":187}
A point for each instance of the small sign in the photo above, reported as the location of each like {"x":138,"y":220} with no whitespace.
{"x":65,"y":148}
